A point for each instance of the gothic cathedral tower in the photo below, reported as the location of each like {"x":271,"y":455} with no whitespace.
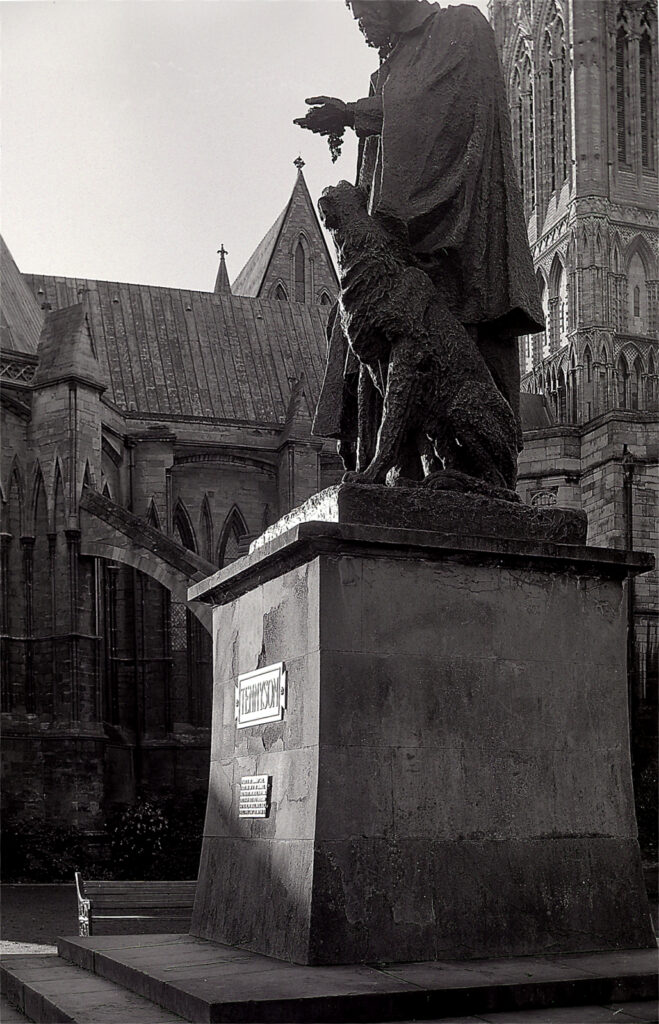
{"x":581,"y":77}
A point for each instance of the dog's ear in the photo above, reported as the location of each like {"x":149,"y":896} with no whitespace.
{"x":393,"y":226}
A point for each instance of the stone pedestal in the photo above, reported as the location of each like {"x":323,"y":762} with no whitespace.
{"x":451,"y":777}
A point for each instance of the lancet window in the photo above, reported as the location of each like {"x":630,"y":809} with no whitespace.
{"x":300,"y":260}
{"x":622,"y":93}
{"x":648,"y":128}
{"x":521,"y":102}
{"x":555,"y":102}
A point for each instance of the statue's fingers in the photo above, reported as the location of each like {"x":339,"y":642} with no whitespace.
{"x":316,"y":101}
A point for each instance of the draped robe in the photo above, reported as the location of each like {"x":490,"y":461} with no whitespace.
{"x":436,"y":160}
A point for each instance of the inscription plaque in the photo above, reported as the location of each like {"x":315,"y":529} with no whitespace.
{"x":261,"y":696}
{"x":254,"y":796}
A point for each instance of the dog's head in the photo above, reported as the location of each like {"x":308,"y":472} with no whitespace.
{"x":340,"y":203}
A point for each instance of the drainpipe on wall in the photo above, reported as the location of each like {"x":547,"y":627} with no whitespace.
{"x":628,"y":500}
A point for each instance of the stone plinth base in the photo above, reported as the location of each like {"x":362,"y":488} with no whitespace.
{"x":427,"y":508}
{"x":451,"y":778}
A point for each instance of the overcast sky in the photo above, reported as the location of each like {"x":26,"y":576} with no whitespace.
{"x":138,"y":136}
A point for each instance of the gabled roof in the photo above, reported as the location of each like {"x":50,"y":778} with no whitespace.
{"x":251,"y":277}
{"x":298,"y":216}
{"x":21,"y":317}
{"x":174,"y":353}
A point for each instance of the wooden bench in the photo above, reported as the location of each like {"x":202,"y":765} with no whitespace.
{"x":145,"y":904}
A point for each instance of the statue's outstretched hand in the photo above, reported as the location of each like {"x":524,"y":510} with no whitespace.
{"x":326,"y":116}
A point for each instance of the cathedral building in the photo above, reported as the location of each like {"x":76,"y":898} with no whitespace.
{"x":149,"y":433}
{"x":581,"y":77}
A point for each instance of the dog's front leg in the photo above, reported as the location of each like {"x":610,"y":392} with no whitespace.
{"x":398,"y":417}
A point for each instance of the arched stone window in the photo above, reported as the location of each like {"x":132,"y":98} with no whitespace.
{"x":543,"y":499}
{"x":231,"y":539}
{"x":555,"y":101}
{"x":182,"y":527}
{"x":300,"y":271}
{"x":635,"y":392}
{"x":152,"y":517}
{"x":325,"y":299}
{"x":558,"y":306}
{"x":623,"y":375}
{"x":637,"y":300}
{"x":588,"y":365}
{"x":650,"y":384}
{"x":637,"y":295}
{"x":541,"y":339}
{"x":549,"y":111}
{"x":521,"y":104}
{"x":565,"y":140}
{"x":280,"y":293}
{"x":561,"y":396}
{"x":622,"y":93}
{"x":648,"y":114}
{"x":206,"y":528}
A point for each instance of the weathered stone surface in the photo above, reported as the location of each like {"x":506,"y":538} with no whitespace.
{"x":447,"y":780}
{"x":442,"y":511}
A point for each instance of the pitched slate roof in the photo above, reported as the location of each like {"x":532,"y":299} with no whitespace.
{"x":175,"y":353}
{"x":21,"y":317}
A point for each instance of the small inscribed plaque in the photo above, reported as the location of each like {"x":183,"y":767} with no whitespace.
{"x":261,"y":696}
{"x":254,"y":796}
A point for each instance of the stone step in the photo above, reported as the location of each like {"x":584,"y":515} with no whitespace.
{"x":49,"y":990}
{"x":207,"y":982}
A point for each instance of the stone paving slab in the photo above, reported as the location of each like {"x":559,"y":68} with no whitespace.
{"x":47,"y":989}
{"x":205,"y":981}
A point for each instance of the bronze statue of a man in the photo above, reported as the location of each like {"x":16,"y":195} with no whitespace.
{"x":435,"y":161}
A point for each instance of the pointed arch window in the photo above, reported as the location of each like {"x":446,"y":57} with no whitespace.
{"x":152,"y":517}
{"x":622,"y":383}
{"x":325,"y":299}
{"x":550,"y":111}
{"x":280,"y":293}
{"x":638,"y":293}
{"x":637,"y":300}
{"x":647,"y":102}
{"x":300,"y":271}
{"x":635,"y":383}
{"x":183,"y":531}
{"x":565,"y":152}
{"x":206,"y":527}
{"x":232,"y":538}
{"x":622,"y":85}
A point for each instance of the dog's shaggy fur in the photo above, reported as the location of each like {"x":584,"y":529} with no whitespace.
{"x":440,"y":406}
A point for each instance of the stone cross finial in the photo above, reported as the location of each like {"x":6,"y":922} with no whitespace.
{"x":222,"y":252}
{"x":299,"y":163}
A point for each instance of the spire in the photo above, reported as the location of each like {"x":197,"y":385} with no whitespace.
{"x":222,"y":286}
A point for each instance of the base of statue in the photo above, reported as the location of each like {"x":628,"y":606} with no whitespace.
{"x":450,"y":775}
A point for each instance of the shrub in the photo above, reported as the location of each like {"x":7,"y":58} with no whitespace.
{"x":40,"y":852}
{"x":136,"y":840}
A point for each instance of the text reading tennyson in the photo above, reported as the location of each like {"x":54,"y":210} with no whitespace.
{"x":261,"y":696}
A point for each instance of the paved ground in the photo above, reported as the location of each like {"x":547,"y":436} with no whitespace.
{"x":34,"y":915}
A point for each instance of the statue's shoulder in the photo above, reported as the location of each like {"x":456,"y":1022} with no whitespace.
{"x":465,"y":13}
{"x":464,"y":23}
